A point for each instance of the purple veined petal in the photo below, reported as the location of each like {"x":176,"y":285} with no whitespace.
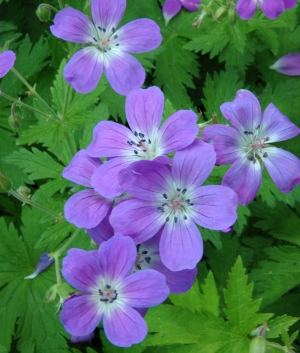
{"x":81,"y":168}
{"x":277,"y":126}
{"x":105,"y":179}
{"x":145,"y":289}
{"x":86,"y":338}
{"x":181,"y":245}
{"x":73,"y":26}
{"x":80,"y":268}
{"x":124,"y":326}
{"x":283,"y":167}
{"x":272,"y":8}
{"x":137,"y":219}
{"x":141,"y":311}
{"x":144,"y":110}
{"x":86,"y":209}
{"x":244,"y":112}
{"x":84,"y":70}
{"x":107,"y":14}
{"x":44,"y":262}
{"x":7,"y":60}
{"x":80,"y":315}
{"x":191,"y":5}
{"x":215,"y":207}
{"x":139,"y":36}
{"x":123,"y":71}
{"x":226,"y":141}
{"x":102,"y":232}
{"x":146,"y":180}
{"x":192,"y":165}
{"x":288,"y":65}
{"x":288,"y":4}
{"x":178,"y":131}
{"x":246,"y":9}
{"x":171,"y":9}
{"x":116,"y":257}
{"x":110,"y":140}
{"x":227,"y":230}
{"x":163,"y":160}
{"x":244,"y":177}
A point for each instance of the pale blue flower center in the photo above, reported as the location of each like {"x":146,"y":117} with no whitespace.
{"x":107,"y":294}
{"x":253,"y":145}
{"x":105,"y":41}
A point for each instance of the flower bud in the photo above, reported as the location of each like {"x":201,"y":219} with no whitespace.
{"x":14,"y":121}
{"x":24,"y":191}
{"x":258,"y":345}
{"x":44,"y":262}
{"x":43,"y":13}
{"x":231,"y":15}
{"x":220,"y":12}
{"x":5,"y":184}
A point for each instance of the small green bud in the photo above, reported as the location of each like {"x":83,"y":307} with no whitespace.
{"x":14,"y":121}
{"x":5,"y":184}
{"x":258,"y":345}
{"x":43,"y":13}
{"x":24,"y":191}
{"x":220,"y":12}
{"x":231,"y":15}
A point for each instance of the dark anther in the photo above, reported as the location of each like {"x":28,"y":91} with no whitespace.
{"x":107,"y":286}
{"x":109,"y":48}
{"x":167,"y":219}
{"x":250,"y":158}
{"x":254,"y":160}
{"x":141,"y":135}
{"x":144,"y":150}
{"x":138,"y":247}
{"x":160,"y":208}
{"x":188,"y":200}
{"x":117,"y":44}
{"x":135,"y":151}
{"x":148,"y":258}
{"x":165,"y":196}
{"x":100,"y":28}
{"x":115,"y":37}
{"x":175,"y":219}
{"x":178,"y":189}
{"x":135,"y":133}
{"x":104,"y":300}
{"x":258,"y":127}
{"x":100,"y":292}
{"x":184,"y":191}
{"x":113,"y":29}
{"x":185,"y":217}
{"x":143,"y":140}
{"x":95,"y":39}
{"x":138,"y":145}
{"x":149,"y":141}
{"x":129,"y":143}
{"x":265,"y":154}
{"x":104,"y":30}
{"x":164,"y":204}
{"x":138,"y":266}
{"x":105,"y":50}
{"x":144,"y":252}
{"x":133,"y":143}
{"x":248,"y":132}
{"x":190,"y":204}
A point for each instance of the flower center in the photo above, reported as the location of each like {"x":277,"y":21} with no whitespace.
{"x":106,"y":40}
{"x":143,"y":147}
{"x":142,"y":258}
{"x":255,"y":145}
{"x":107,"y":294}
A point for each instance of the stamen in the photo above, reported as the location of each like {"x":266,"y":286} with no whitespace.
{"x":107,"y":286}
{"x":190,"y":204}
{"x":184,"y":191}
{"x":143,"y":140}
{"x":117,"y":44}
{"x":144,"y":150}
{"x":104,"y":30}
{"x":185,"y":217}
{"x":144,"y":252}
{"x":113,"y":29}
{"x":165,"y":196}
{"x":258,"y":127}
{"x":248,"y":133}
{"x":135,"y":133}
{"x":141,"y":135}
{"x":167,"y":219}
{"x":95,"y":39}
{"x":100,"y":28}
{"x":104,"y":300}
{"x":135,"y":151}
{"x":175,"y":219}
{"x":138,"y":266}
{"x":100,"y":292}
{"x":149,"y":141}
{"x":265,"y":154}
{"x":178,"y":189}
{"x":148,"y":258}
{"x":115,"y":37}
{"x":138,"y":247}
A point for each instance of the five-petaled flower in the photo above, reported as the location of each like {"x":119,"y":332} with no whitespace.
{"x":146,"y":139}
{"x":7,"y":60}
{"x":111,"y":292}
{"x":173,"y":199}
{"x":246,"y":144}
{"x":172,"y":7}
{"x":105,"y":47}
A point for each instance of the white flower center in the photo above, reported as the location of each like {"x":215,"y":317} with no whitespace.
{"x":105,"y":41}
{"x":254,"y":145}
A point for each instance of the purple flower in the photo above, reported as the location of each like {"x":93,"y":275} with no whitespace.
{"x":288,"y":65}
{"x":173,"y":199}
{"x":172,"y":7}
{"x":271,"y":8}
{"x":246,"y":144}
{"x":145,"y":140}
{"x":7,"y":60}
{"x":105,"y":48}
{"x":44,"y":262}
{"x":111,"y":292}
{"x":85,"y":209}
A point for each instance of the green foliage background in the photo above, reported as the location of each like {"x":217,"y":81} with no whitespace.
{"x":246,"y":278}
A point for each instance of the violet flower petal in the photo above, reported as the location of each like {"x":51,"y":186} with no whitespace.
{"x":81,"y":315}
{"x":272,"y":8}
{"x":171,"y":9}
{"x":288,"y":4}
{"x":86,"y":209}
{"x":225,"y":140}
{"x":191,"y":5}
{"x":86,"y":338}
{"x":144,"y":109}
{"x":73,"y":26}
{"x":81,"y":168}
{"x":44,"y":262}
{"x":80,"y":269}
{"x":84,"y":70}
{"x":139,"y":36}
{"x":123,"y":71}
{"x":215,"y":207}
{"x":102,"y":232}
{"x":288,"y":64}
{"x":124,"y":327}
{"x":179,"y":124}
{"x":283,"y":167}
{"x":7,"y":60}
{"x":246,"y":8}
{"x":107,"y":14}
{"x":244,"y":177}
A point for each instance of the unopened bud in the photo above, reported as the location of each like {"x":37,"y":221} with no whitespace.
{"x":258,"y":345}
{"x":231,"y":15}
{"x":220,"y":12}
{"x":24,"y":191}
{"x":14,"y":121}
{"x":43,"y":13}
{"x":5,"y":184}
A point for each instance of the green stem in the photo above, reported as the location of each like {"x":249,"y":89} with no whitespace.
{"x":61,"y":5}
{"x":33,"y":91}
{"x":68,"y":243}
{"x":49,"y":7}
{"x":65,"y":106}
{"x":24,"y":199}
{"x":57,"y":269}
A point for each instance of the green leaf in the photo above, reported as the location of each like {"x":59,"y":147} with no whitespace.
{"x":279,"y":323}
{"x":243,"y":212}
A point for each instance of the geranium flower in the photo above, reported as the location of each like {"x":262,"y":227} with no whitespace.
{"x":145,"y":140}
{"x":173,"y":199}
{"x":288,"y":64}
{"x":172,"y":7}
{"x":106,"y":48}
{"x":111,"y":292}
{"x":271,"y":8}
{"x":246,"y":144}
{"x":44,"y":262}
{"x":7,"y":60}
